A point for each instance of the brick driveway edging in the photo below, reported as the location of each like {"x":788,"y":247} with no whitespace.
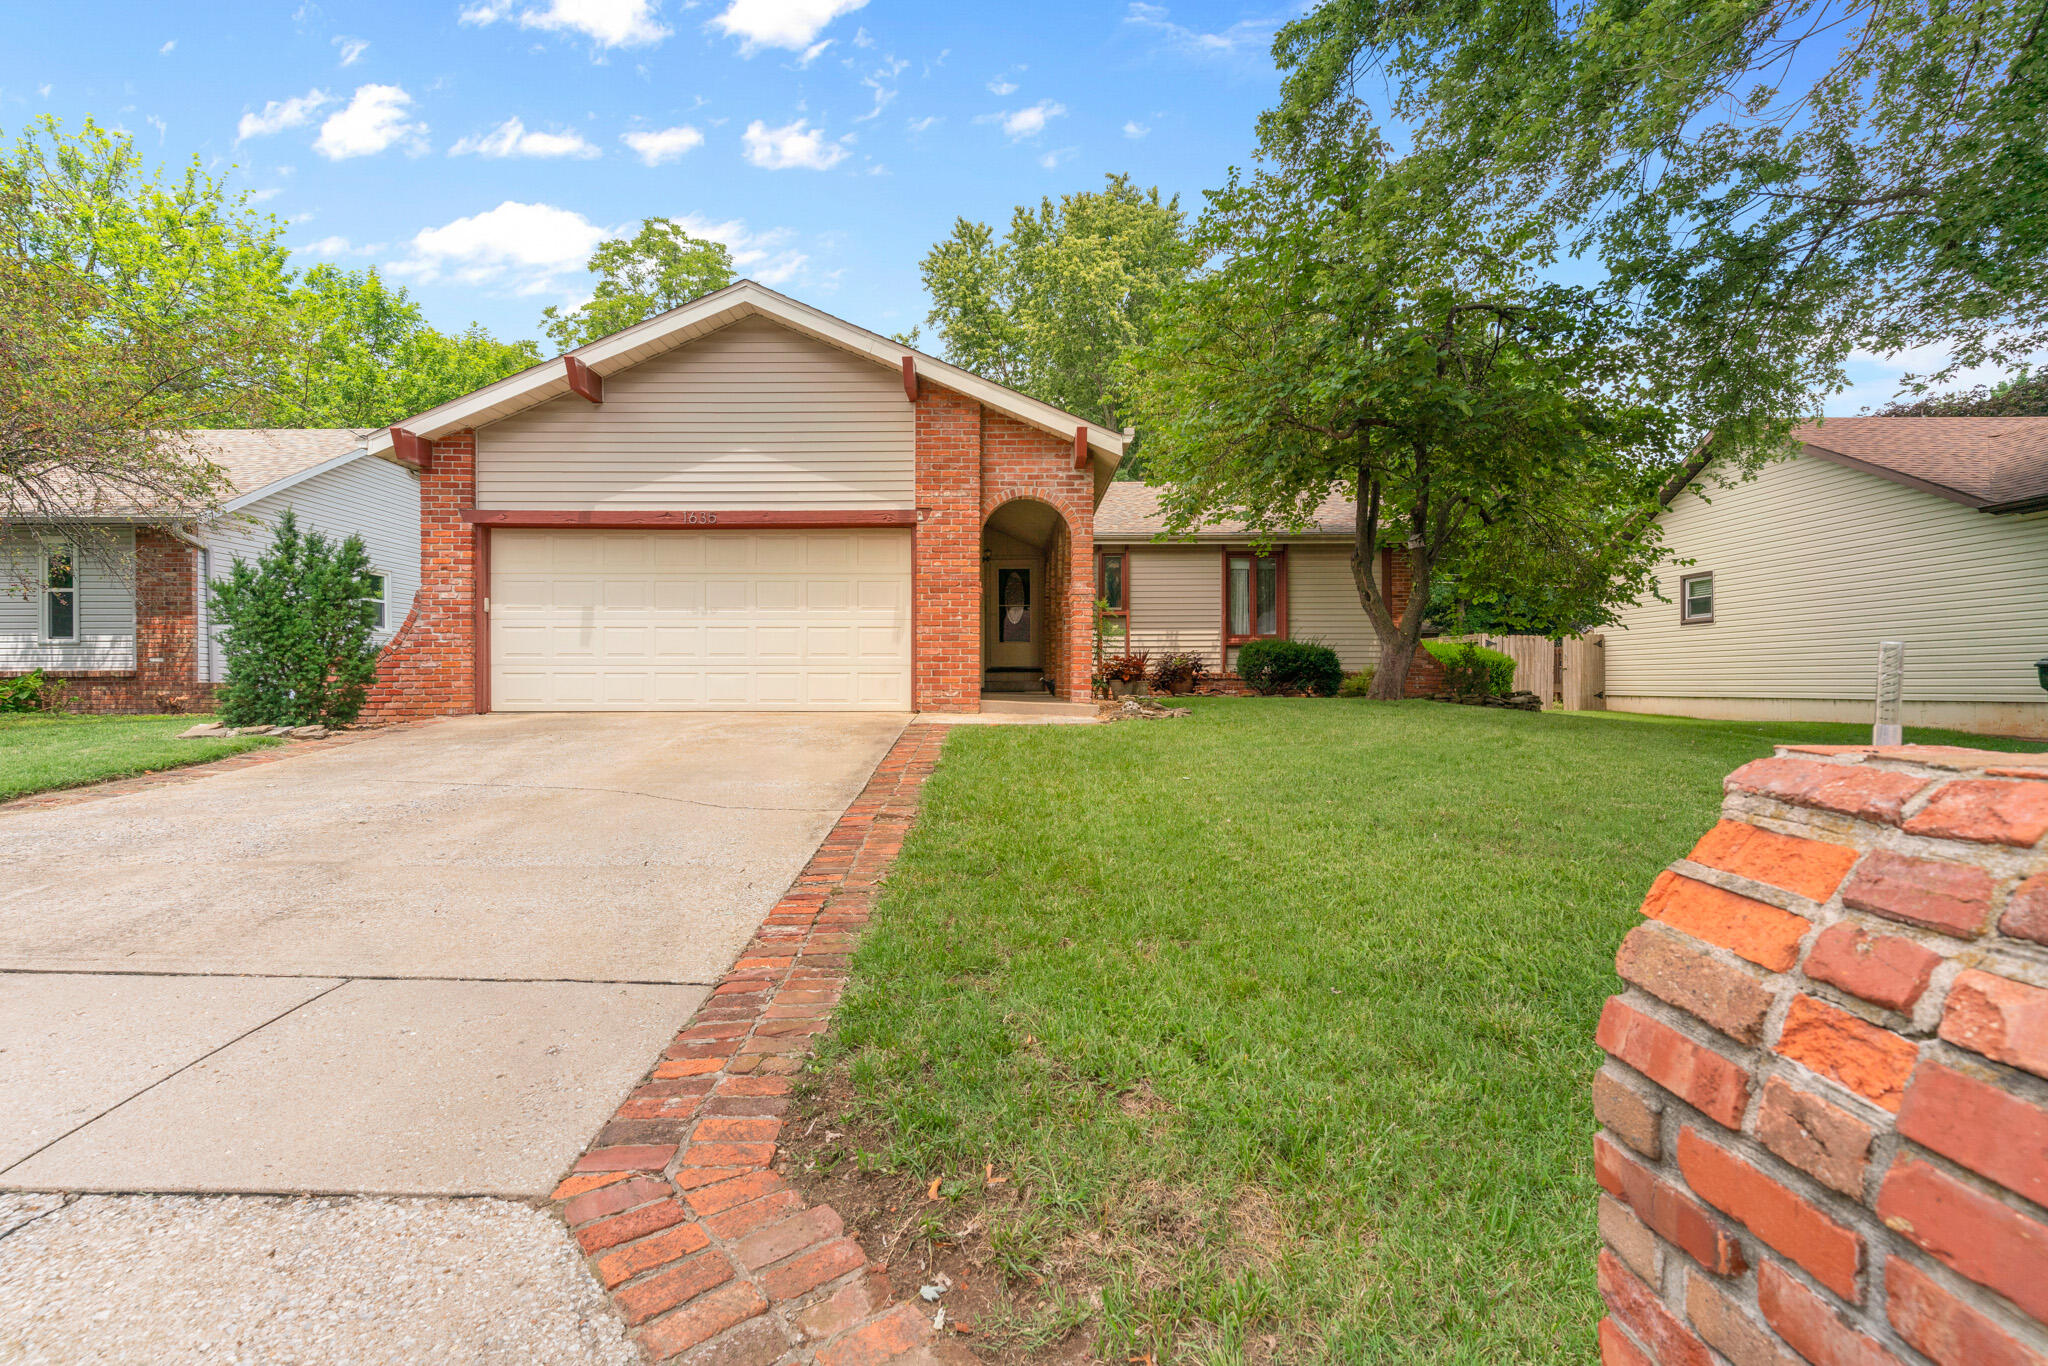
{"x":709,"y":1256}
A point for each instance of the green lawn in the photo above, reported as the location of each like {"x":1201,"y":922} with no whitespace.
{"x":39,"y":752}
{"x":1279,"y":1017}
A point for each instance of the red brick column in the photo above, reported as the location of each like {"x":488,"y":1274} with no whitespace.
{"x":429,"y":668}
{"x":1825,"y":1108}
{"x":1023,"y":462}
{"x":947,"y":595}
{"x":1426,"y":677}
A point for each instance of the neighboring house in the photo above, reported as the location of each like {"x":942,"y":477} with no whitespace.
{"x":746,"y":504}
{"x":1928,"y":530}
{"x":1207,"y":594}
{"x":133,"y":636}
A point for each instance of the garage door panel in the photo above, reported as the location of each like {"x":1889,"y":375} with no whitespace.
{"x":591,"y":619}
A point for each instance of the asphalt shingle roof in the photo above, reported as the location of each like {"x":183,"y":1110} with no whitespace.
{"x":1129,"y":511}
{"x":1996,"y":463}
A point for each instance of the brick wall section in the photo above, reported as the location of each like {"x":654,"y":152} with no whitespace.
{"x":166,"y":673}
{"x":1824,"y":1113}
{"x":429,"y":667}
{"x":1426,"y":677}
{"x":969,"y":463}
{"x":709,"y":1255}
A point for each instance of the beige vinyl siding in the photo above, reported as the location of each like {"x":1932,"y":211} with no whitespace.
{"x":367,"y":497}
{"x":105,"y":605}
{"x":1176,"y":600}
{"x":1813,"y":565}
{"x":1322,"y":604}
{"x":752,"y":416}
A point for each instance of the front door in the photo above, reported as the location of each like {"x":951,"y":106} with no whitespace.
{"x":1011,"y":630}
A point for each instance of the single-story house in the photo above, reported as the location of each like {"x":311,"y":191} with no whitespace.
{"x":746,"y":503}
{"x":1928,"y":530}
{"x":130,"y":632}
{"x":1207,"y":593}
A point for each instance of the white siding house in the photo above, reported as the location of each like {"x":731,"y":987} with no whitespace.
{"x":351,"y":494}
{"x":1779,"y":588}
{"x":94,"y":631}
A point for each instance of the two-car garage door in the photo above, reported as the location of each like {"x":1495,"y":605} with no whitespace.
{"x":591,"y":620}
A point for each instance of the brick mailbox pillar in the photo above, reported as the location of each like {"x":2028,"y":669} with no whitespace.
{"x":1824,"y":1111}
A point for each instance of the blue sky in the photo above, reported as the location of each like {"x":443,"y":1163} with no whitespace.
{"x":478,"y":149}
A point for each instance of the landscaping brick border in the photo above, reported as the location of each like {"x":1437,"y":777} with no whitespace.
{"x":711,"y":1257}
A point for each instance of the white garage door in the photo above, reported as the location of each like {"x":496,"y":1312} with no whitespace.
{"x":719,"y":620}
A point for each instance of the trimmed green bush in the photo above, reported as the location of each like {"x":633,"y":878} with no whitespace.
{"x":1275,"y":666}
{"x":32,"y":691}
{"x":296,"y":628}
{"x":1473,"y":669}
{"x":1357,"y":685}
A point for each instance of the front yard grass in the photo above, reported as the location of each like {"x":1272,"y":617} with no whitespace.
{"x":39,"y":751}
{"x":1277,"y":1021}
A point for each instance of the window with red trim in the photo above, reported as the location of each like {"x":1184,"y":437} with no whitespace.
{"x":1112,"y":582}
{"x":1254,"y":596}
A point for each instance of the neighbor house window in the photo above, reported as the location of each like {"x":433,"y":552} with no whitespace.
{"x":377,"y":597}
{"x":60,"y":593}
{"x":1696,"y":597}
{"x":1112,"y":586}
{"x":1254,"y":596}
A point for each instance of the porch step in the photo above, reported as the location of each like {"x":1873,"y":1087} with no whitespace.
{"x":1024,"y":704}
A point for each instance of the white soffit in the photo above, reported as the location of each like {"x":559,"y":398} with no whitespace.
{"x":680,"y":326}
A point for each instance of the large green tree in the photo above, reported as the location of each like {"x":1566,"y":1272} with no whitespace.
{"x":658,"y":268}
{"x":133,"y":306}
{"x":1766,"y":185}
{"x":1052,"y":306}
{"x":1352,"y":332}
{"x":365,"y":356}
{"x":2021,"y":395}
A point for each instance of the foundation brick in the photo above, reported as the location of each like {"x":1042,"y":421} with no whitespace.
{"x":1785,"y":1221}
{"x":1633,"y":1304}
{"x":2000,"y":1018}
{"x":1805,"y":1321}
{"x":1748,"y":928}
{"x":1823,"y":1140}
{"x":1716,"y":1086}
{"x":1730,"y":1331}
{"x":2026,"y":911}
{"x":1880,"y":968}
{"x":1945,"y":1329}
{"x":1869,"y":1060}
{"x":1616,"y":1349}
{"x":1631,"y":1240}
{"x":1978,"y":1237}
{"x":1986,"y":811}
{"x":1869,"y":794}
{"x":1674,"y":967}
{"x":1953,"y":898}
{"x":1627,"y":1114}
{"x":1979,"y":1126}
{"x":1807,"y":868}
{"x":1665,"y":1209}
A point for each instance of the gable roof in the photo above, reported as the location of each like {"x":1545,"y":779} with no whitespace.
{"x":256,"y":458}
{"x":742,"y":299}
{"x":1130,"y":511}
{"x":1993,"y":464}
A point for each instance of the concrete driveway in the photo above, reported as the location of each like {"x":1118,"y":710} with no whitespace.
{"x":426,"y":963}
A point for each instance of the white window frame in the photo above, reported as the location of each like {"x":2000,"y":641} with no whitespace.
{"x":44,"y":594}
{"x":382,"y":599}
{"x":1686,"y":616}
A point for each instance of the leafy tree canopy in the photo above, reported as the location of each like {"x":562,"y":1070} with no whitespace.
{"x":364,"y":355}
{"x":2023,"y":395}
{"x":1050,"y":307}
{"x":1767,"y":185}
{"x":658,"y":268}
{"x":1353,"y":330}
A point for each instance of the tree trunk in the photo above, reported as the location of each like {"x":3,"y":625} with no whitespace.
{"x":1390,"y":676}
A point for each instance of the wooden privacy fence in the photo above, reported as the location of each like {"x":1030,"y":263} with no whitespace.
{"x":1566,"y":674}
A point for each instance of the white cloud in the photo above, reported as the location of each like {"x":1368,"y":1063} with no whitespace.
{"x":352,"y":49}
{"x":44,"y":90}
{"x":794,"y":145}
{"x":330,"y":246}
{"x":524,"y":246}
{"x":883,"y":82}
{"x":1028,"y":122}
{"x":165,"y":50}
{"x":861,"y":38}
{"x":512,"y":138}
{"x":1000,"y":87}
{"x":608,"y":23}
{"x":1053,"y":158}
{"x":263,"y":196}
{"x":657,"y":145}
{"x":375,"y":119}
{"x":1135,"y":129}
{"x":1246,"y":36}
{"x":161,"y":127}
{"x":929,"y":121}
{"x":814,"y":51}
{"x":763,"y":256}
{"x":791,"y":24}
{"x":279,"y":115}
